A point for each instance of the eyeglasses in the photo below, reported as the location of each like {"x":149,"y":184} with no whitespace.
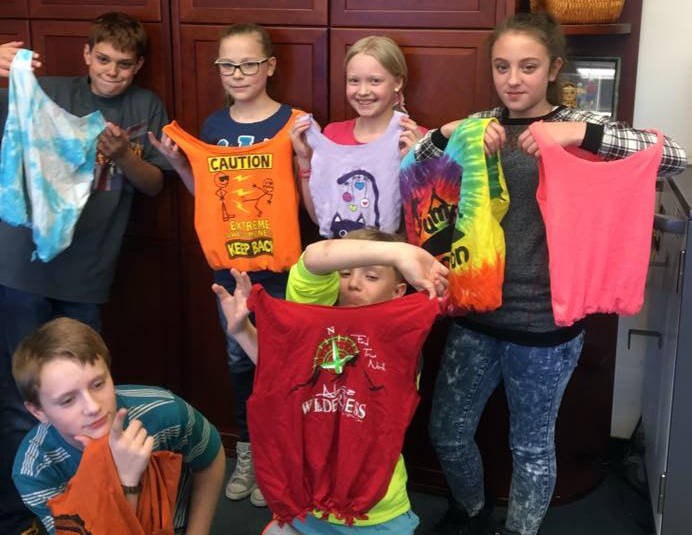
{"x":248,"y":68}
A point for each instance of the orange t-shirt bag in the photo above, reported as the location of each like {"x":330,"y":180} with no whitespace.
{"x":94,"y":502}
{"x":246,"y":201}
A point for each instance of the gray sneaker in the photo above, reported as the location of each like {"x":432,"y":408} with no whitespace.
{"x":242,"y":481}
{"x":257,"y":498}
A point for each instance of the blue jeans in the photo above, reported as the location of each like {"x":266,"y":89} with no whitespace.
{"x":241,"y":368}
{"x":20,"y":314}
{"x":535,"y":379}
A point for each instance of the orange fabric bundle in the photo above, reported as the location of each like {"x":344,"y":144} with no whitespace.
{"x":94,"y":502}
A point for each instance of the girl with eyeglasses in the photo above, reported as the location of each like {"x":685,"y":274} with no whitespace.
{"x":245,"y":63}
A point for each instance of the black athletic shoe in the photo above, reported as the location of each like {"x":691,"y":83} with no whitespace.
{"x":503,"y":531}
{"x":457,"y":522}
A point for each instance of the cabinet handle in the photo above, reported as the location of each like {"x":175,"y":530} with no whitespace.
{"x":670,"y":224}
{"x":681,"y":270}
{"x":643,"y":332}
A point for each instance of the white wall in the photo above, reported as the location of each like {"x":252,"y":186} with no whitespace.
{"x":663,"y":96}
{"x":663,"y":100}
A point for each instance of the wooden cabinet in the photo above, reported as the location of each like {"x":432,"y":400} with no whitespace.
{"x":14,"y":8}
{"x":446,"y":67}
{"x":144,"y":10}
{"x":416,"y":14}
{"x":289,"y":12}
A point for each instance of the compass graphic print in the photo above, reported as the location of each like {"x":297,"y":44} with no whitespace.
{"x":334,"y":353}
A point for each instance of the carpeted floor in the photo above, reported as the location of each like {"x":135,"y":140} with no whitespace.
{"x":614,"y":508}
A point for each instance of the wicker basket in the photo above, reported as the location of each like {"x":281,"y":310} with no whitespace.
{"x":580,"y":11}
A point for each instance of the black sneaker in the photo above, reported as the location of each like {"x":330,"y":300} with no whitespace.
{"x":457,"y":522}
{"x":503,"y":531}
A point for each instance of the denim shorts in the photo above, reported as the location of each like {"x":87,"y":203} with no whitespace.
{"x":404,"y":524}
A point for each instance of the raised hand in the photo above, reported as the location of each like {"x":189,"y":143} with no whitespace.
{"x":422,"y":271}
{"x":410,"y":135}
{"x":131,"y":448}
{"x":7,"y":53}
{"x":300,"y":145}
{"x":113,"y":142}
{"x":170,"y":150}
{"x":234,"y":307}
{"x":494,"y":138}
{"x":447,"y":129}
{"x":564,"y":133}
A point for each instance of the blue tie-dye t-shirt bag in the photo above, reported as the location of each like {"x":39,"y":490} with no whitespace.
{"x":46,"y":163}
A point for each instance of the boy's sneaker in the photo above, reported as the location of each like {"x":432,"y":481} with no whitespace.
{"x":257,"y":498}
{"x":503,"y":531}
{"x":242,"y":481}
{"x":457,"y":522}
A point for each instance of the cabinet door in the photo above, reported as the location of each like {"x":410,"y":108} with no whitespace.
{"x":417,"y":14}
{"x":141,"y":321}
{"x":14,"y":30}
{"x":312,"y":12}
{"x":61,"y":45}
{"x":449,"y":73}
{"x":206,"y":382}
{"x":14,"y":8}
{"x":144,"y":10}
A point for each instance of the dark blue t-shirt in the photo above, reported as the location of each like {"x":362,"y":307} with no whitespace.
{"x":220,"y":129}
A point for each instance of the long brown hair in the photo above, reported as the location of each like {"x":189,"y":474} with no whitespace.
{"x":545,"y":29}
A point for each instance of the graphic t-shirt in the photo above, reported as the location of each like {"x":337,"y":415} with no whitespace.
{"x":84,"y":271}
{"x":353,"y":186}
{"x":335,"y":389}
{"x":598,"y":219}
{"x":221,"y":129}
{"x":430,"y":195}
{"x":246,"y":201}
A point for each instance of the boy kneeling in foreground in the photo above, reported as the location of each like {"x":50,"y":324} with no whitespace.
{"x":355,"y":271}
{"x":62,"y":371}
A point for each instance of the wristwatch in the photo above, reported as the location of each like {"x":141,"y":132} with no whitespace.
{"x":132,"y":490}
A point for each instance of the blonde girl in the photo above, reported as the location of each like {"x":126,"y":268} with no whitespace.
{"x":376,"y":75}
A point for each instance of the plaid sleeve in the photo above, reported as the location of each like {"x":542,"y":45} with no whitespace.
{"x":620,"y":140}
{"x":427,"y":148}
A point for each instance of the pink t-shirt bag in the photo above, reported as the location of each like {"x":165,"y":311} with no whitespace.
{"x":598,"y":218}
